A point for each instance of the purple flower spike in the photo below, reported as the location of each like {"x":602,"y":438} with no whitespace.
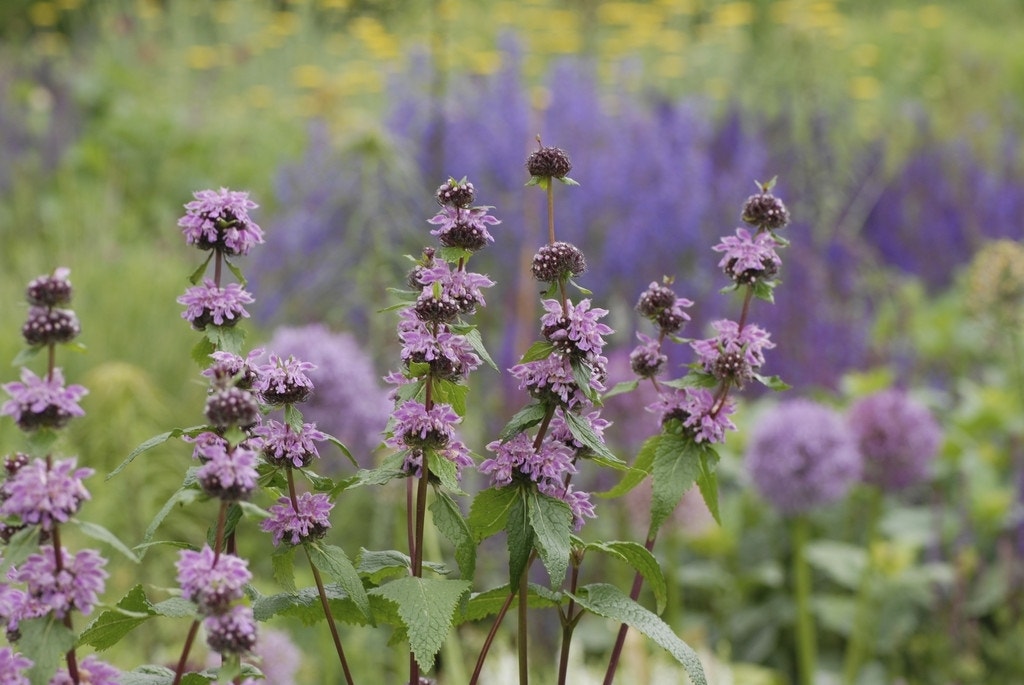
{"x":310,"y":522}
{"x":37,"y":402}
{"x":463,"y":288}
{"x":517,"y":458}
{"x":42,"y":495}
{"x":228,"y":367}
{"x":575,"y":330}
{"x":229,"y":474}
{"x":233,"y":632}
{"x":898,"y":438}
{"x":213,"y":581}
{"x":282,"y":446}
{"x":90,"y":670}
{"x":449,"y":355}
{"x":284,"y":381}
{"x":75,"y":587}
{"x":207,"y":304}
{"x":221,"y":219}
{"x":551,"y":379}
{"x":13,"y":666}
{"x":802,"y":455}
{"x":733,"y":355}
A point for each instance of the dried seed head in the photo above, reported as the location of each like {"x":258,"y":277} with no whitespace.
{"x":456,"y":193}
{"x":549,"y":162}
{"x":557,"y":261}
{"x":765,"y":211}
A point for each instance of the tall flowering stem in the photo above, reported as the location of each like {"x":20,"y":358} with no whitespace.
{"x":695,"y":409}
{"x":39,"y":495}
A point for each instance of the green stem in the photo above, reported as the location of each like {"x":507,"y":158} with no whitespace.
{"x":806,"y":646}
{"x":330,"y":619}
{"x":856,"y":650}
{"x":568,"y":626}
{"x":524,"y":661}
{"x":620,"y":639}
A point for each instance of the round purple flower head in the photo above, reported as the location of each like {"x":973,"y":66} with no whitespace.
{"x":220,"y":219}
{"x":213,"y":581}
{"x":282,"y":446}
{"x":575,"y":330}
{"x":42,"y":402}
{"x":44,"y":495}
{"x":50,"y":291}
{"x":701,"y":416}
{"x":748,"y":259}
{"x":897,"y":437}
{"x":464,"y":227}
{"x":802,"y":455}
{"x":417,"y":427}
{"x":91,"y":670}
{"x":310,"y":522}
{"x":76,"y":587}
{"x":449,"y":355}
{"x":13,"y":667}
{"x":230,"y":474}
{"x":232,"y":632}
{"x":207,"y":304}
{"x":232,"y":369}
{"x":284,"y":381}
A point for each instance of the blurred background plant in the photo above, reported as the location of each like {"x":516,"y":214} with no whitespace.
{"x":895,"y":128}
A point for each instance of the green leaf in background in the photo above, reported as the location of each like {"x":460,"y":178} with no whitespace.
{"x":426,"y":607}
{"x":489,"y":603}
{"x":390,"y":467}
{"x":293,"y":417}
{"x":449,"y":521}
{"x":583,"y":291}
{"x":155,"y":441}
{"x":519,"y":537}
{"x":540,"y":349}
{"x":551,"y":521}
{"x":707,"y":480}
{"x":527,"y":417}
{"x":186,"y":494}
{"x":26,"y":355}
{"x":641,"y":468}
{"x":581,"y":373}
{"x":676,"y":467}
{"x":45,"y":641}
{"x":489,"y":511}
{"x":226,"y":338}
{"x":379,"y":565}
{"x":175,"y":607}
{"x":282,"y":563}
{"x":98,"y":532}
{"x":202,"y":350}
{"x":610,"y":602}
{"x":19,"y":547}
{"x":582,"y":431}
{"x":642,"y":561}
{"x":842,"y":562}
{"x":335,"y":563}
{"x":344,"y":450}
{"x":107,"y":629}
{"x":622,"y":387}
{"x":772,"y":382}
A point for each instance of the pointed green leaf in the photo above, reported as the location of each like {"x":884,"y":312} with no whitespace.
{"x":227,"y":338}
{"x":541,"y":349}
{"x":453,"y":254}
{"x":610,"y":602}
{"x":379,"y":565}
{"x":22,"y":544}
{"x":390,"y":467}
{"x":293,"y":417}
{"x":477,"y":343}
{"x":202,"y":350}
{"x":155,"y":441}
{"x":282,"y":563}
{"x":426,"y":607}
{"x":335,"y":563}
{"x":519,"y":537}
{"x":707,"y":481}
{"x":445,"y":470}
{"x":26,"y":354}
{"x":344,"y":450}
{"x":176,"y":607}
{"x":489,"y":511}
{"x":586,"y":292}
{"x":236,"y":272}
{"x":676,"y":466}
{"x":454,"y":394}
{"x":45,"y":641}
{"x":641,"y":468}
{"x":622,"y":388}
{"x":583,"y":432}
{"x":484,"y":604}
{"x":773,"y":382}
{"x":197,"y":275}
{"x":551,"y":521}
{"x":581,"y":373}
{"x":109,"y":627}
{"x":449,"y":521}
{"x":525,"y":418}
{"x":186,"y":494}
{"x":98,"y":532}
{"x":765,"y":290}
{"x":642,"y":561}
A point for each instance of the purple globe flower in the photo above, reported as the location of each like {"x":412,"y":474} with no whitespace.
{"x":647,"y":360}
{"x":233,"y":632}
{"x":282,"y":446}
{"x":310,"y":522}
{"x":13,"y":667}
{"x":575,"y":330}
{"x":221,"y":219}
{"x":745,"y":347}
{"x":42,"y":402}
{"x":207,"y":304}
{"x":75,"y":587}
{"x":91,"y":670}
{"x":50,"y":291}
{"x":44,"y":495}
{"x":349,"y":401}
{"x":802,"y":455}
{"x":898,"y":438}
{"x":230,"y":474}
{"x":213,"y":581}
{"x":229,"y":368}
{"x":284,"y":381}
{"x":277,"y":657}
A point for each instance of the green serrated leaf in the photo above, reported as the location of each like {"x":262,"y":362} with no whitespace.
{"x":622,"y":388}
{"x":540,"y":181}
{"x":390,"y":467}
{"x":445,"y":470}
{"x":489,"y":511}
{"x":642,"y":561}
{"x":584,"y":433}
{"x":551,"y":521}
{"x":155,"y":441}
{"x":453,"y":394}
{"x":581,"y":373}
{"x":98,"y":532}
{"x":707,"y":481}
{"x":764,"y":290}
{"x":45,"y":641}
{"x":489,"y":603}
{"x":565,"y":180}
{"x":22,"y":544}
{"x":449,"y":521}
{"x":519,"y":537}
{"x":107,"y":629}
{"x":525,"y":418}
{"x":676,"y":466}
{"x":335,"y":563}
{"x":610,"y":602}
{"x":227,"y":338}
{"x":202,"y":350}
{"x":197,"y":275}
{"x":541,"y":349}
{"x":282,"y":561}
{"x":176,"y":607}
{"x":293,"y":417}
{"x":426,"y":607}
{"x":453,"y":254}
{"x":41,"y":442}
{"x":379,"y":565}
{"x":472,"y":335}
{"x":693,"y":379}
{"x":344,"y":450}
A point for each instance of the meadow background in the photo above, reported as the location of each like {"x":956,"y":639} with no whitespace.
{"x":895,"y":131}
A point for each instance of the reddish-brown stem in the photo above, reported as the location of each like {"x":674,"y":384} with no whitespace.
{"x":189,"y":639}
{"x":330,"y":620}
{"x":620,"y":640}
{"x":568,"y":625}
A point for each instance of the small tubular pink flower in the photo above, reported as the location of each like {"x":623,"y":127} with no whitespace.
{"x":75,"y":586}
{"x":310,"y":522}
{"x":221,"y":219}
{"x":42,"y":402}
{"x":45,"y":495}
{"x":207,"y":304}
{"x":213,"y":581}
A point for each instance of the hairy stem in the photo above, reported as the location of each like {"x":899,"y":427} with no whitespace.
{"x":330,"y":620}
